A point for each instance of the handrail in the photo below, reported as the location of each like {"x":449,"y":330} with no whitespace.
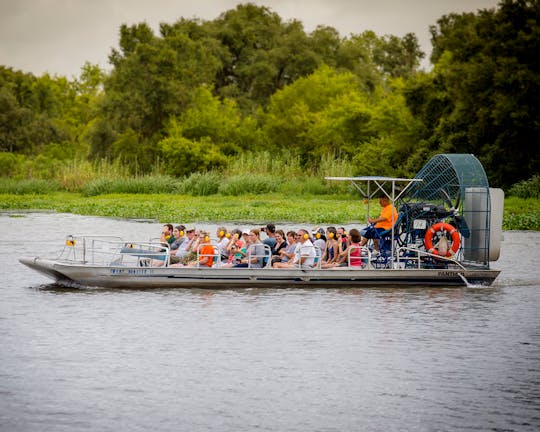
{"x":216,"y":255}
{"x":315,"y":263}
{"x":267,"y":255}
{"x":424,"y":253}
{"x":362,"y":257}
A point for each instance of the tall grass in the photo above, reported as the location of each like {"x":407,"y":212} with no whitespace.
{"x":28,"y":186}
{"x":247,"y":173}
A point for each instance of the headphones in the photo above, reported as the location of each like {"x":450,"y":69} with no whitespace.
{"x":181,"y":233}
{"x":206,"y":238}
{"x":221,"y":233}
{"x":228,"y":235}
{"x":331,"y":235}
{"x":306,"y":236}
{"x":318,"y":235}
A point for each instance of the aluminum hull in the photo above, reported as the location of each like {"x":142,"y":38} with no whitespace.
{"x":68,"y":273}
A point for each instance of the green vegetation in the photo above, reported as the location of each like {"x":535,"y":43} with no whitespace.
{"x":519,"y":213}
{"x":248,"y":103}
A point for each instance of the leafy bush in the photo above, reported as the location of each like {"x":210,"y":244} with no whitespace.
{"x":10,"y":163}
{"x":250,"y":184}
{"x":526,"y":188}
{"x":200,"y":184}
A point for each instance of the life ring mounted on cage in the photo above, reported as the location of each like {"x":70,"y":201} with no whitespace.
{"x":442,"y":226}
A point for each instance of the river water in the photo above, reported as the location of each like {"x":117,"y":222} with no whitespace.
{"x":401,"y":359}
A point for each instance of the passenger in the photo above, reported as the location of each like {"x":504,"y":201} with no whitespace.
{"x":380,"y":224}
{"x":319,"y":241}
{"x":184,"y":252}
{"x":287,"y":254}
{"x":179,"y":237}
{"x":332,"y":248}
{"x":167,"y":234}
{"x":223,"y":238}
{"x":342,"y":238}
{"x":206,"y":252}
{"x":304,"y":254}
{"x":270,"y":240}
{"x":235,"y":248}
{"x":281,"y":244}
{"x":354,"y":250}
{"x":255,"y":251}
{"x":166,"y":239}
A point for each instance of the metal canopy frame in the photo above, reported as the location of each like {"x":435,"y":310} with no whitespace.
{"x":364,"y":185}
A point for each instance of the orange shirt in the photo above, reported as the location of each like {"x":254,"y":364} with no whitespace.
{"x":386,"y":213}
{"x":207,"y":252}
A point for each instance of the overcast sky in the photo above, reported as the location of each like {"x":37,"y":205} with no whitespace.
{"x":58,"y":36}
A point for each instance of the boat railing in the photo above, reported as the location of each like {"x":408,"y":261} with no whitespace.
{"x":142,"y":254}
{"x":216,"y":256}
{"x":266,"y":256}
{"x":408,"y":257}
{"x":89,"y":248}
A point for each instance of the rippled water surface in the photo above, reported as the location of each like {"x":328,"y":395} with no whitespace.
{"x":262,"y":359}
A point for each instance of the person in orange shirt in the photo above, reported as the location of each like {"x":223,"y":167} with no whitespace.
{"x":385,"y":221}
{"x":206,"y":252}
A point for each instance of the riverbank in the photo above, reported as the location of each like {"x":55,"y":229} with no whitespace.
{"x":519,"y":214}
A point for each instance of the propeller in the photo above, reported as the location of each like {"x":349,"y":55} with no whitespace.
{"x":461,"y":224}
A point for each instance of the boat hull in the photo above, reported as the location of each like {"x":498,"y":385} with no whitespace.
{"x":68,"y":273}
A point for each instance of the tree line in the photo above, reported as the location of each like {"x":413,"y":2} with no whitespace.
{"x":202,"y":92}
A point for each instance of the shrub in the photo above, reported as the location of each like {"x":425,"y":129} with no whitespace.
{"x":200,"y":184}
{"x":10,"y":163}
{"x":250,"y":184}
{"x":526,"y":188}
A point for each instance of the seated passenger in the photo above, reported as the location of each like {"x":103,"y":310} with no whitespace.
{"x":256,"y":252}
{"x":304,"y":254}
{"x":270,"y":231}
{"x":319,"y":241}
{"x":222,"y":241}
{"x":206,"y":251}
{"x":187,"y":244}
{"x":286,"y":254}
{"x":281,"y":243}
{"x":332,"y":248}
{"x":167,"y":234}
{"x":235,"y":248}
{"x":385,"y":221}
{"x":354,"y":251}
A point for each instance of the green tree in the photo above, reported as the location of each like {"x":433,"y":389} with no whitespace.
{"x":487,"y":65}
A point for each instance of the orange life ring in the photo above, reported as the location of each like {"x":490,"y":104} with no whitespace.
{"x":441,"y":226}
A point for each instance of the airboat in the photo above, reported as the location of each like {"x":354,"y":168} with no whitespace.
{"x":448,"y":230}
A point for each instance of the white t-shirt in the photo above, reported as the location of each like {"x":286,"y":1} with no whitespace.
{"x":307,"y":251}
